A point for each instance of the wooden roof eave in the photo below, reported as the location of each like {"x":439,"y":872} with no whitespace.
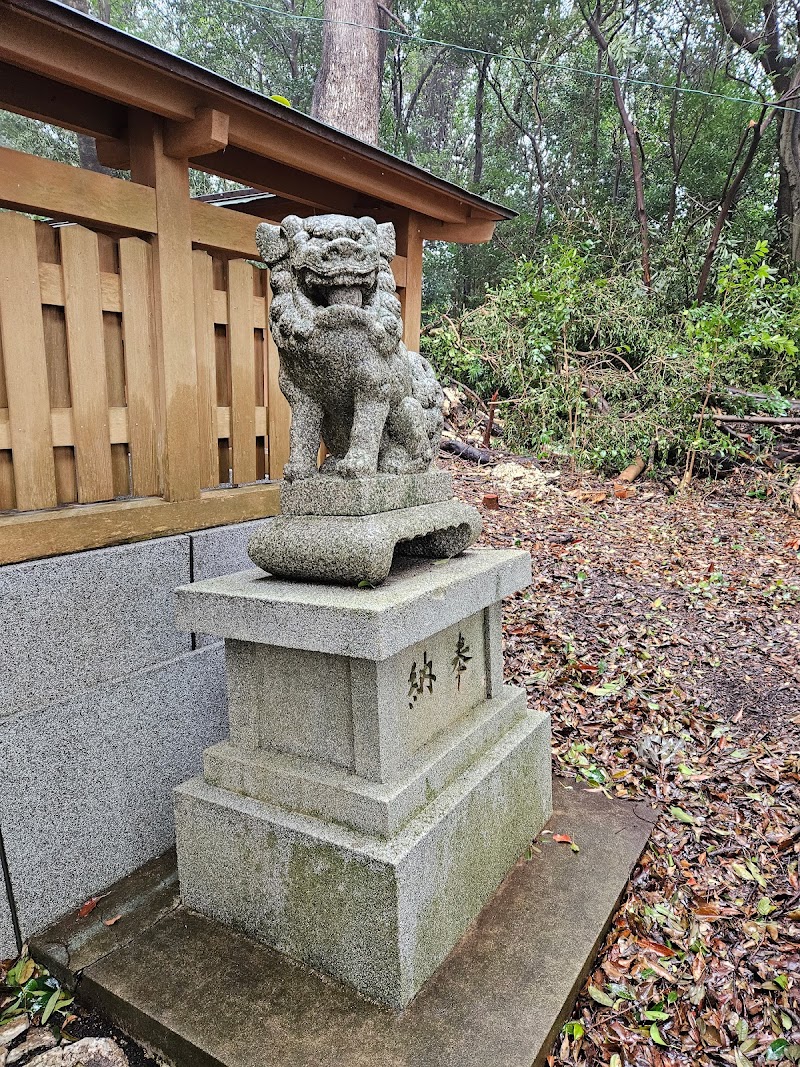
{"x":104,"y":67}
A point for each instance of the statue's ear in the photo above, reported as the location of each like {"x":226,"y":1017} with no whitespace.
{"x":271,"y":243}
{"x":368,"y":223}
{"x":386,"y":240}
{"x":292,"y":224}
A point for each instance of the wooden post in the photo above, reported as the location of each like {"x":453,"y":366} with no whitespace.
{"x":137,"y":330}
{"x":279,"y":414}
{"x":243,"y":385}
{"x":409,"y":244}
{"x":173,"y":305}
{"x":206,"y":368}
{"x":25,"y":365}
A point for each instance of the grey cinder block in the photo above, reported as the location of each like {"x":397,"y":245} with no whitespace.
{"x":93,"y":777}
{"x":73,"y":622}
{"x":222,"y":549}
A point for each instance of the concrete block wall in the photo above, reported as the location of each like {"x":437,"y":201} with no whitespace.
{"x":104,"y":708}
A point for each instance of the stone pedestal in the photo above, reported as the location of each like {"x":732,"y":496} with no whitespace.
{"x":379,"y":779}
{"x":348,"y":530}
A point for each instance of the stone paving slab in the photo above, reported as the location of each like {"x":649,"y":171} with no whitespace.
{"x":203,"y":995}
{"x":135,"y":903}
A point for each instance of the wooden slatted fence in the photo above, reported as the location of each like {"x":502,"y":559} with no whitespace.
{"x":138,"y":378}
{"x":78,"y":396}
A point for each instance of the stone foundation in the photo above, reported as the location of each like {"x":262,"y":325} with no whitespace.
{"x":379,"y":779}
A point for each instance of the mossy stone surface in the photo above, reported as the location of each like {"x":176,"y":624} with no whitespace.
{"x":380,"y":914}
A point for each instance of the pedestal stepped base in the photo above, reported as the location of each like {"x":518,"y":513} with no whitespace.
{"x":347,"y":530}
{"x":379,"y":780}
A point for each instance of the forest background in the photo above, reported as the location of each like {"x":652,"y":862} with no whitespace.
{"x":652,"y":151}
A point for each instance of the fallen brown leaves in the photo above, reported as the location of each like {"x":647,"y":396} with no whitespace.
{"x":663,"y":635}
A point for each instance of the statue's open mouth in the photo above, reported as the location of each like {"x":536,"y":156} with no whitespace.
{"x":339,"y":286}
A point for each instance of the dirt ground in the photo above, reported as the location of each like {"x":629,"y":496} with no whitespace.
{"x":662,"y":633}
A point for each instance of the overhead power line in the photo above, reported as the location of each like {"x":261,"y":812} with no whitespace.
{"x":535,"y":63}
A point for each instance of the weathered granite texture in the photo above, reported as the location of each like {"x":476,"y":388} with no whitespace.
{"x":380,"y":914}
{"x":7,"y":939}
{"x":344,"y":369}
{"x":379,"y":779}
{"x":72,"y":622}
{"x":332,"y":495}
{"x":376,"y":407}
{"x":360,"y":549}
{"x":330,"y":793}
{"x":111,"y":758}
{"x":418,"y":599}
{"x":104,"y":708}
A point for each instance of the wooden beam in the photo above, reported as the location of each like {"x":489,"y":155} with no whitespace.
{"x":174,"y":307}
{"x":60,"y":191}
{"x":223,"y":421}
{"x":409,"y":240}
{"x":114,"y":153}
{"x":219,"y":228}
{"x":47,"y":100}
{"x":148,"y":85}
{"x":399,"y":268}
{"x":207,"y":132}
{"x":73,"y":528}
{"x":219,"y":306}
{"x":63,"y":429}
{"x":286,"y":179}
{"x":51,"y":284}
{"x":471,"y":232}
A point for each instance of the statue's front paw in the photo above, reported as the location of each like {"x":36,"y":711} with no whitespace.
{"x":356,"y":464}
{"x":296,"y":472}
{"x":301,"y":329}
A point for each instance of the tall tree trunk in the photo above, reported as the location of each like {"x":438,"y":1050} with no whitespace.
{"x":730,"y":192}
{"x":634,"y":146}
{"x":347,"y":87}
{"x":788,"y":210}
{"x":480,"y":94}
{"x":766,"y":46}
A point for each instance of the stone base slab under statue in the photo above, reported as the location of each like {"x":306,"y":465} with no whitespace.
{"x":347,"y":530}
{"x":379,"y":780}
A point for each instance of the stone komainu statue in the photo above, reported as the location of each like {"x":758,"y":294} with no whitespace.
{"x":344,"y":369}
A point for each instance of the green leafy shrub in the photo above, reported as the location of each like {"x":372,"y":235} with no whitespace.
{"x":586,"y":361}
{"x":27,"y":989}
